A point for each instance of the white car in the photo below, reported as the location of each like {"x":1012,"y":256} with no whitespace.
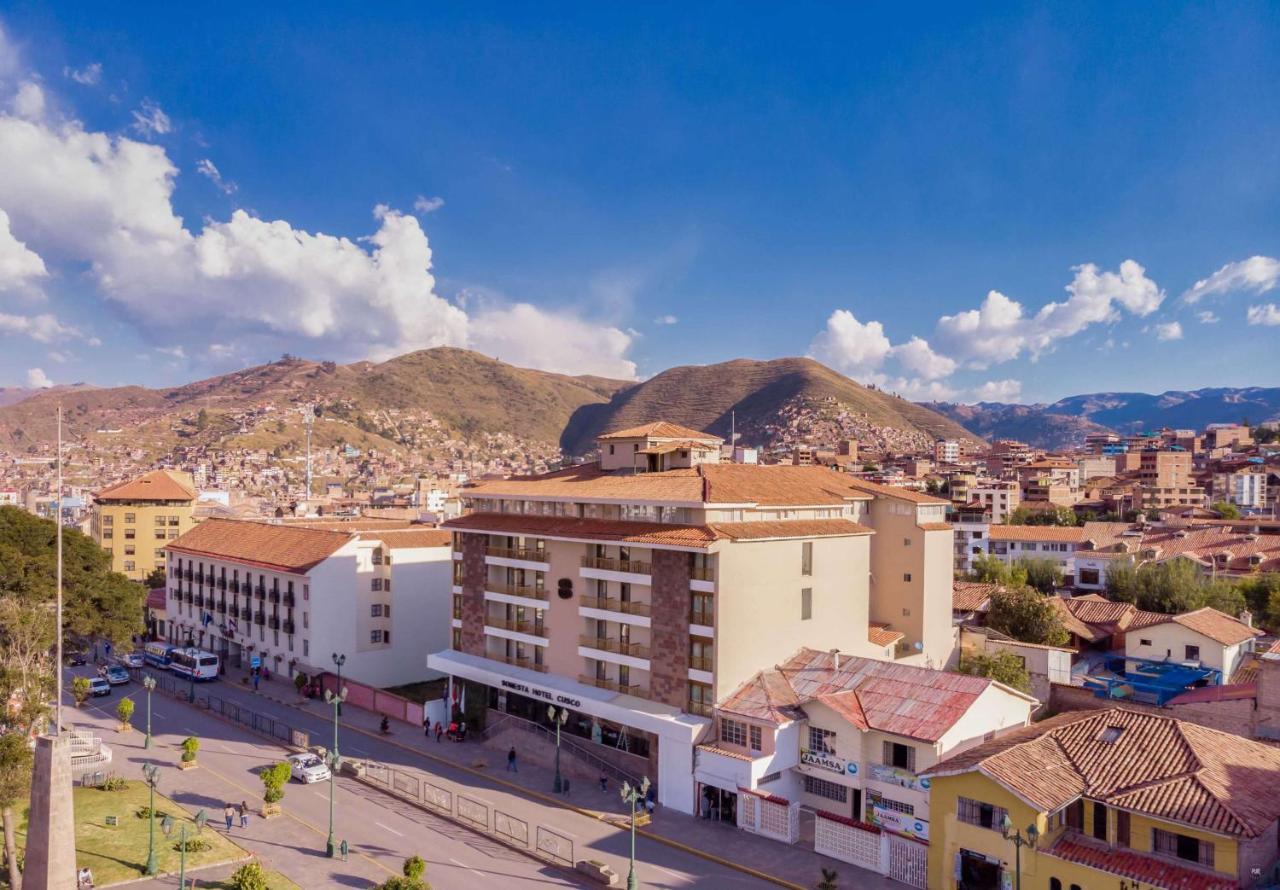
{"x":132,"y":660}
{"x":307,"y":768}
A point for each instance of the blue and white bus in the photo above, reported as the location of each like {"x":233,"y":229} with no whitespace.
{"x":157,"y":654}
{"x":194,"y":663}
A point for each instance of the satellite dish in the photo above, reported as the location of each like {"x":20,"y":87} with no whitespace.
{"x":918,"y":646}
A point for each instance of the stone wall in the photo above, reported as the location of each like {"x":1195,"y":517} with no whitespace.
{"x":473,"y":578}
{"x":669,"y":629}
{"x":1236,"y":717}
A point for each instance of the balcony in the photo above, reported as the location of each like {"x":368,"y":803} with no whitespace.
{"x":634,"y":566}
{"x":198,"y":601}
{"x":457,"y":612}
{"x":246,"y":613}
{"x":288,"y":600}
{"x":528,"y":554}
{"x":702,"y":573}
{"x":609,"y":644}
{"x":701,"y":709}
{"x":701,"y":663}
{"x":234,"y":586}
{"x":288,"y":627}
{"x":705,"y":617}
{"x":612,"y":685}
{"x":259,"y":617}
{"x":611,"y":604}
{"x":525,"y":590}
{"x":222,"y":583}
{"x":274,"y":596}
{"x":527,"y":663}
{"x":188,"y":596}
{"x":273,"y":622}
{"x":533,"y":628}
{"x":199,"y":579}
{"x":222,"y":607}
{"x":188,"y":574}
{"x":260,"y":592}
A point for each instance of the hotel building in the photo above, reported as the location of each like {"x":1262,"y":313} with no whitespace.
{"x":293,"y":596}
{"x":639,"y":590}
{"x":134,"y":520}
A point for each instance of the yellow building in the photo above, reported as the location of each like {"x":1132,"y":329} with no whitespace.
{"x":1113,"y":798}
{"x":134,"y":519}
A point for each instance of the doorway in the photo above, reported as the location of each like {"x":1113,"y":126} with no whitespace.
{"x":719,"y":805}
{"x":977,"y":872}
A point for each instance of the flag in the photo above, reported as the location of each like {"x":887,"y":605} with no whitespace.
{"x":462,"y":702}
{"x":231,"y":625}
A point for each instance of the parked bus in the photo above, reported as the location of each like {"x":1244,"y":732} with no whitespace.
{"x":194,"y":663}
{"x":157,"y":654}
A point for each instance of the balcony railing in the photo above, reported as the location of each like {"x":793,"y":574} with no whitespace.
{"x":612,"y":685}
{"x":260,"y":592}
{"x":457,"y":612}
{"x":198,"y":602}
{"x":222,"y":607}
{"x":199,"y":579}
{"x":609,"y":644}
{"x":273,"y":622}
{"x":259,"y":617}
{"x":530,"y":554}
{"x":522,"y":662}
{"x":288,"y":600}
{"x":634,"y":566}
{"x":701,"y":662}
{"x":702,"y":709}
{"x":527,"y":590}
{"x":273,"y":596}
{"x":702,"y":573}
{"x":612,"y":604}
{"x":288,"y":627}
{"x":525,"y":627}
{"x":705,"y":617}
{"x":246,"y":613}
{"x":222,"y":583}
{"x":234,"y":586}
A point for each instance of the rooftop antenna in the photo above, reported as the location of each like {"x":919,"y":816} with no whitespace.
{"x":57,"y":700}
{"x":308,"y":418}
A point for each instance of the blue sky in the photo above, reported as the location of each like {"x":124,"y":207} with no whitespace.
{"x":616,"y":191}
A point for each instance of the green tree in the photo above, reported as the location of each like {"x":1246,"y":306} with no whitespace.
{"x":124,"y":710}
{"x":274,"y":778}
{"x":1226,"y":510}
{"x":1063,"y":516}
{"x":1224,"y":596}
{"x":1043,"y":574}
{"x":414,"y":868}
{"x":15,"y":780}
{"x":1257,"y":591}
{"x":1027,"y":615}
{"x":80,"y":690}
{"x":155,"y":579}
{"x":1122,"y":581}
{"x":190,"y":746}
{"x":1001,"y":665}
{"x":250,"y":876}
{"x":202,"y":420}
{"x":989,"y":569}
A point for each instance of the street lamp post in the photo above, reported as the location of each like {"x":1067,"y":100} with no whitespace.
{"x":334,"y":758}
{"x":339,"y":660}
{"x":558,"y":718}
{"x":152,"y":774}
{"x":1019,"y":841}
{"x":633,"y":796}
{"x":191,"y":645}
{"x":148,"y":683}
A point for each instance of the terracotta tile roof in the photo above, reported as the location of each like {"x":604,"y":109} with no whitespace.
{"x":589,"y":482}
{"x":971,"y":596}
{"x":1154,"y":764}
{"x":1074,"y":625}
{"x":158,"y":485}
{"x":401,"y":538}
{"x":1147,"y":870}
{"x":724,"y":752}
{"x":655,"y":533}
{"x":264,"y":544}
{"x":780,"y":485}
{"x":357,"y":524}
{"x":880,"y":635}
{"x":1217,"y":626}
{"x":659,"y":429}
{"x":895,"y":698}
{"x":1071,"y":535}
{"x":790,"y":528}
{"x":1244,"y":552}
{"x":895,"y":491}
{"x":1231,"y":692}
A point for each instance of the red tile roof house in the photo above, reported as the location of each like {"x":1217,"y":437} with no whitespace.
{"x":849,"y":736}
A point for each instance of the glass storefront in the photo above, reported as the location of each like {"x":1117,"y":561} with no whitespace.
{"x":583,"y":726}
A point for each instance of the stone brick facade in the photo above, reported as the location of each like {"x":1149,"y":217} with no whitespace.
{"x":669,"y":629}
{"x":473,"y":607}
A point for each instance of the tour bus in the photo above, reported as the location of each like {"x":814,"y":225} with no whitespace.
{"x":157,"y":654}
{"x":194,"y":663}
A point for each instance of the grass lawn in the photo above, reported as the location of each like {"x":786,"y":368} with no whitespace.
{"x":421,"y":692}
{"x":119,"y":852}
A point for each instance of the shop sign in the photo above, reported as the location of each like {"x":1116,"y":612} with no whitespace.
{"x":544,"y":694}
{"x":893,"y":775}
{"x":900,"y":823}
{"x":817,"y":760}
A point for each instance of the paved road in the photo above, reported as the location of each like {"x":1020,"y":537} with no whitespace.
{"x":381,"y":830}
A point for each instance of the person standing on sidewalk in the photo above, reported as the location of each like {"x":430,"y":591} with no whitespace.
{"x":439,"y":731}
{"x":244,"y":814}
{"x":229,"y":813}
{"x":511,"y":761}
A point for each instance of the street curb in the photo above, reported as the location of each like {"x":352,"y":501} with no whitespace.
{"x":160,"y":875}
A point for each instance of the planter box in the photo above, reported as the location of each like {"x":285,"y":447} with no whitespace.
{"x":352,"y":768}
{"x":597,"y":871}
{"x":187,"y":764}
{"x":271,"y":810}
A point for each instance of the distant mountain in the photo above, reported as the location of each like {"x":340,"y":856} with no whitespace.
{"x":780,"y":402}
{"x":12,"y":395}
{"x":1067,"y":421}
{"x":450,"y":392}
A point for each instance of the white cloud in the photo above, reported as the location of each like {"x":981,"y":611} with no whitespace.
{"x":38,"y":379}
{"x":172,"y":351}
{"x":1000,"y":330}
{"x":150,"y":120}
{"x":1171,"y":330}
{"x":1207,"y":317}
{"x":525,"y":335}
{"x":28,"y":102}
{"x":90,"y":75}
{"x":850,"y":346}
{"x":1256,"y":275}
{"x":43,"y":328}
{"x":666,"y":319}
{"x":913,"y":388}
{"x":999,"y":391}
{"x":423,"y":204}
{"x":19,"y":265}
{"x":59,"y":357}
{"x":1267,"y":314}
{"x":209,"y":170}
{"x":917,"y":357}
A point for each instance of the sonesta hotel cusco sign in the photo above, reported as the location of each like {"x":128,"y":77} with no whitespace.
{"x":547,"y":695}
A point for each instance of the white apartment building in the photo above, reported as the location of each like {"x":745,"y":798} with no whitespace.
{"x":997,"y":498}
{"x":294,"y":596}
{"x":946,"y":451}
{"x":1248,"y":489}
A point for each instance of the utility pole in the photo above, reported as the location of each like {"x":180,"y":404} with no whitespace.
{"x":57,"y":699}
{"x":308,"y":418}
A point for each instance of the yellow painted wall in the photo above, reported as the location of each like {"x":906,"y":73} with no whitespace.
{"x":145,"y":543}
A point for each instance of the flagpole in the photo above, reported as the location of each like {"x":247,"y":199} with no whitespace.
{"x":57,"y":700}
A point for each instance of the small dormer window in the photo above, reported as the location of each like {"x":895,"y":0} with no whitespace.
{"x":1111,"y":735}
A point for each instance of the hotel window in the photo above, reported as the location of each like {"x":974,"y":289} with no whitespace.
{"x":306,"y":647}
{"x":701,"y":609}
{"x":375,"y":636}
{"x":160,"y":534}
{"x":128,"y":550}
{"x":900,"y":756}
{"x":1193,"y":653}
{"x":822,"y":741}
{"x":456,"y":642}
{"x":107,"y":534}
{"x":108,"y":519}
{"x":757,"y":740}
{"x":129,"y":534}
{"x":128,"y":566}
{"x":823,"y":788}
{"x":733,"y":731}
{"x":806,"y":603}
{"x":1122,"y":828}
{"x":983,"y":815}
{"x":806,"y":558}
{"x":1182,"y":846}
{"x":160,"y":519}
{"x":129,"y":518}
{"x":906,"y":577}
{"x":377,"y":584}
{"x":375,"y":610}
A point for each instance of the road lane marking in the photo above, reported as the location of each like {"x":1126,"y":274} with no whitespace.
{"x":385,"y":828}
{"x":674,"y":874}
{"x":479,"y":874}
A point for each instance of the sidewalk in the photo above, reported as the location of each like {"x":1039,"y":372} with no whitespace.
{"x":786,"y":864}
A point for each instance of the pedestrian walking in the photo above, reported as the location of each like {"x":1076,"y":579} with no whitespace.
{"x":426,"y":727}
{"x":439,"y":731}
{"x":244,"y":814}
{"x":604,"y":783}
{"x":511,"y":761}
{"x":229,"y":813}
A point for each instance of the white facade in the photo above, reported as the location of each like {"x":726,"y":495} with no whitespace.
{"x":946,"y":451}
{"x":1175,"y":642}
{"x":1248,"y":490}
